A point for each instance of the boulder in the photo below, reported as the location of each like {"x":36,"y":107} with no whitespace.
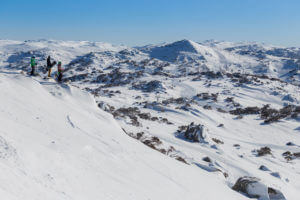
{"x":254,"y":188}
{"x":195,"y":133}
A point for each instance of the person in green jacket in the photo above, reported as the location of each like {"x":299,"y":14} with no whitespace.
{"x":33,"y":65}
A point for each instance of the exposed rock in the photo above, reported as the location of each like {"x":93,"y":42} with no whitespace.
{"x":275,"y":194}
{"x":289,"y":98}
{"x":221,"y":125}
{"x":290,"y":144}
{"x":251,"y":187}
{"x":264,"y":168}
{"x":106,"y":107}
{"x":194,"y":133}
{"x":207,"y":159}
{"x":275,"y":174}
{"x":254,"y":188}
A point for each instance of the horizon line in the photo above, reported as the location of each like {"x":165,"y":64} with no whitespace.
{"x":149,"y":44}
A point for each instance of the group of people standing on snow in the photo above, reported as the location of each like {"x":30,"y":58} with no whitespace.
{"x":48,"y":69}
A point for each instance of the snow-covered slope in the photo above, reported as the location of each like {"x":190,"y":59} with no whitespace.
{"x":244,"y":57}
{"x":242,"y":98}
{"x":55,"y":143}
{"x":187,"y":51}
{"x":16,"y":53}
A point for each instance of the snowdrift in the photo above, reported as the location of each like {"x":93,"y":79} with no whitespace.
{"x":55,"y":143}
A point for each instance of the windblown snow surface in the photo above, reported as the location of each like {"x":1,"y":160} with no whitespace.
{"x":119,"y":127}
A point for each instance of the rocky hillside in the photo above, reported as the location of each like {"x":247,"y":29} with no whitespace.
{"x":229,"y":109}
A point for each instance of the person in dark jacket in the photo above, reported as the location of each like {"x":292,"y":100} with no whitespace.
{"x":48,"y":61}
{"x":49,"y":66}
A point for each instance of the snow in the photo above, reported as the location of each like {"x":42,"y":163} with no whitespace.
{"x":65,"y":51}
{"x":57,"y":144}
{"x":56,"y":140}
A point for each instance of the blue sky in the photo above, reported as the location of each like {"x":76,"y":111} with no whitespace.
{"x":139,"y":22}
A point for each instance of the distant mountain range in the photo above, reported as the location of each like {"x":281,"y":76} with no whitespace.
{"x":244,"y":57}
{"x":227,"y":110}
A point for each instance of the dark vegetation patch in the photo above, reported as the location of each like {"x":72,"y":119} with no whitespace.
{"x":245,"y":111}
{"x":151,"y":86}
{"x":103,"y":92}
{"x":155,"y":143}
{"x":250,"y":78}
{"x":133,"y":113}
{"x":184,"y":107}
{"x":217,"y":141}
{"x":263,"y":151}
{"x":239,"y":117}
{"x":117,"y":78}
{"x":212,"y":75}
{"x":177,"y":101}
{"x":221,"y":110}
{"x":152,"y":105}
{"x":235,"y":77}
{"x":208,"y":96}
{"x":232,"y":101}
{"x":207,"y":107}
{"x":81,"y":62}
{"x":268,"y":114}
{"x":291,"y":156}
{"x":179,"y":158}
{"x":77,"y":77}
